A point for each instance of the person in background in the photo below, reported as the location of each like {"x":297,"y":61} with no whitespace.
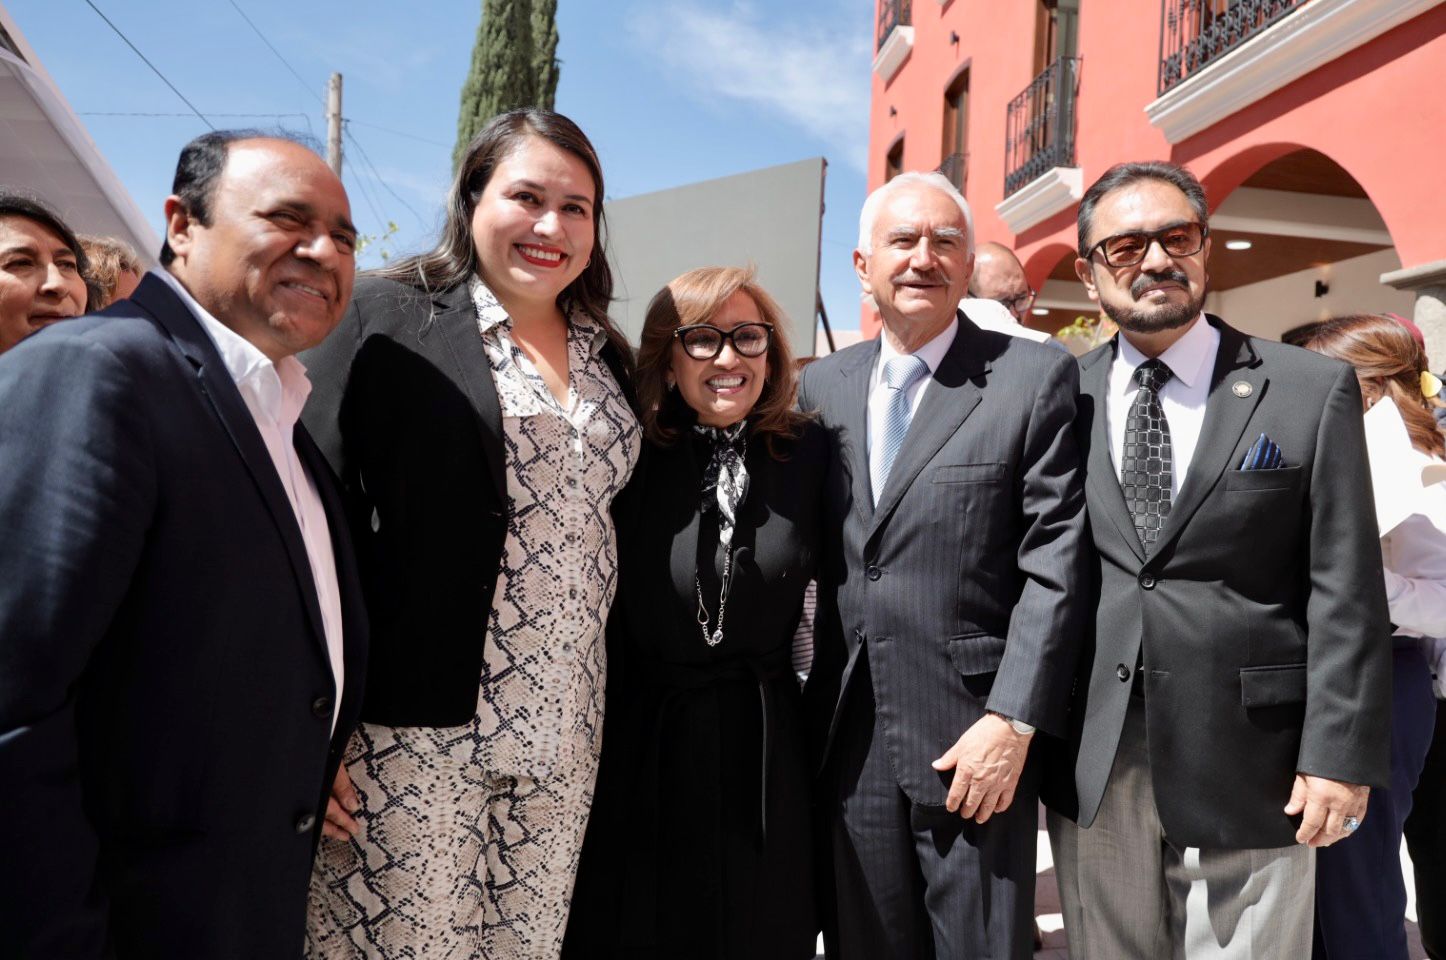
{"x":1360,"y":893}
{"x":705,"y":783}
{"x":475,"y":404}
{"x":42,"y":269}
{"x":115,"y":269}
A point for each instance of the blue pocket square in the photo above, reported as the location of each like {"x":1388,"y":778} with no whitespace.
{"x":1263,"y":455}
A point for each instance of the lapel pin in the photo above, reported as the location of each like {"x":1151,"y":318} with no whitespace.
{"x":1241,"y":389}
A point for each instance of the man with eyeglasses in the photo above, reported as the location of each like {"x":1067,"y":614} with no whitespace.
{"x":999,"y":276}
{"x":950,"y":597}
{"x":1234,"y":707}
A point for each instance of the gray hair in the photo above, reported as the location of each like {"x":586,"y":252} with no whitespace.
{"x":938,"y":181}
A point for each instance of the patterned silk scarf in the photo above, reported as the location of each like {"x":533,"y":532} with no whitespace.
{"x":725,"y":484}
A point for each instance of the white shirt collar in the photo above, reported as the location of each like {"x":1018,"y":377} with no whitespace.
{"x":932,"y":353}
{"x":1190,"y":358}
{"x":279,"y":388}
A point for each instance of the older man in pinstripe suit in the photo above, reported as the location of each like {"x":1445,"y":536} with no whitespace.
{"x":950,"y":605}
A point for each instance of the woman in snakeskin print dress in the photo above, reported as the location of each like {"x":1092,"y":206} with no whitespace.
{"x":475,"y":403}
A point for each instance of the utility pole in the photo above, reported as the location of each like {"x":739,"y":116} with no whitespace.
{"x":333,"y":123}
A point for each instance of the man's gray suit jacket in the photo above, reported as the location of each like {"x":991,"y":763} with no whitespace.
{"x":1261,"y":609}
{"x":964,"y":581}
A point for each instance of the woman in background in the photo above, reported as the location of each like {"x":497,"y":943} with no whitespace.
{"x":474,"y":403}
{"x":42,"y":269}
{"x":700,"y":842}
{"x":1360,"y":891}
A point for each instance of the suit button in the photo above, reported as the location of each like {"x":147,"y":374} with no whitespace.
{"x":1147,"y":581}
{"x":873,"y":572}
{"x":305,"y":822}
{"x":321,"y":707}
{"x":1123,"y":672}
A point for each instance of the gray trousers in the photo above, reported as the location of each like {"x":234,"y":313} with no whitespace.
{"x":1128,"y":893}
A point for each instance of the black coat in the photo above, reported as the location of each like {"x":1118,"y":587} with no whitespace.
{"x":406,"y":411}
{"x":166,"y":694}
{"x":700,"y":835}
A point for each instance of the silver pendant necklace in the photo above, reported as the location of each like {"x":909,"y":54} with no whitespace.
{"x":716,"y":636}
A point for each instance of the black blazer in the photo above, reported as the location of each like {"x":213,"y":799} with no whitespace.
{"x":166,"y":696}
{"x":964,"y":580}
{"x":1260,"y":612}
{"x":406,"y":411}
{"x":705,"y":784}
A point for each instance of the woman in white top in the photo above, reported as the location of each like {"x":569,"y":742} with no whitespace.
{"x":1360,"y":892}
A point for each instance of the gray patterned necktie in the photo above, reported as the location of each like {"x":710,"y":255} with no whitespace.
{"x":899,"y":373}
{"x":1147,"y":467}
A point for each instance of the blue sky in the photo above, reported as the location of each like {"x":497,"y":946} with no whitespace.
{"x":670,"y":93}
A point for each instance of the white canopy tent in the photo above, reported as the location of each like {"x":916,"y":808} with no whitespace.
{"x":46,"y":151}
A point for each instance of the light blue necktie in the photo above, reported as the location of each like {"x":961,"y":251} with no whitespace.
{"x":899,"y":373}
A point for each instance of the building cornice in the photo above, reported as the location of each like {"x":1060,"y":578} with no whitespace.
{"x":891,"y":55}
{"x":1315,"y":34}
{"x":1056,"y":189}
{"x":1431,"y":274}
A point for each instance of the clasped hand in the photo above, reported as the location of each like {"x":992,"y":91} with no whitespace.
{"x":986,"y":761}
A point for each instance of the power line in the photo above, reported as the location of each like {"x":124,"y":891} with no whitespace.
{"x":148,"y":63}
{"x":385,"y":186}
{"x":269,"y":46}
{"x":398,"y":133}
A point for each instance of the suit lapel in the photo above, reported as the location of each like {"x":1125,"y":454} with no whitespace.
{"x":1106,"y":497}
{"x":950,"y":398}
{"x":1226,"y":414}
{"x":219,"y":389}
{"x":856,"y":377}
{"x":456,"y":319}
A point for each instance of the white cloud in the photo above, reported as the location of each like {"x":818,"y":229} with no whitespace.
{"x":814,"y":75}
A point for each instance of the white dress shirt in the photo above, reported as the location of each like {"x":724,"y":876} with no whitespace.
{"x":1414,"y":557}
{"x":932,"y":353}
{"x":275,"y":394}
{"x":1191,"y":360}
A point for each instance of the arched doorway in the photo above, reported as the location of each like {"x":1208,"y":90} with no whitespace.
{"x":1298,"y":241}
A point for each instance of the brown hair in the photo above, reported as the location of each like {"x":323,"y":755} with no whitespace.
{"x":1388,"y":362}
{"x":696,"y":297}
{"x":454,"y":258}
{"x":109,"y":258}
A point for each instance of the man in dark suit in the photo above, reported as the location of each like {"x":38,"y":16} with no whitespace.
{"x":949,"y":600}
{"x":181,"y":634}
{"x":1234,"y":705}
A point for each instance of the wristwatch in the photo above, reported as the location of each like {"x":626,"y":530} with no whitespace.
{"x":1020,"y":727}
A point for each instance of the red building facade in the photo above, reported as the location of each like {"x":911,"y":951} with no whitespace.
{"x":1317,"y":126}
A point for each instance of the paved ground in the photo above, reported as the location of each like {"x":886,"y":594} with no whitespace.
{"x":1046,"y":906}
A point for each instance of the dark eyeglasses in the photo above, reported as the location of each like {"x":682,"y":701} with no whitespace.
{"x":1018,"y":304}
{"x":1128,"y":249}
{"x":703,"y":341}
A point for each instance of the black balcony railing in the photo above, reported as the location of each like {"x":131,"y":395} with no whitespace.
{"x":956,"y":168}
{"x":893,"y":13}
{"x":1040,"y":125}
{"x":1195,"y":33}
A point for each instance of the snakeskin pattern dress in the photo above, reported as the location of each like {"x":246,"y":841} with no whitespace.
{"x":471,"y":835}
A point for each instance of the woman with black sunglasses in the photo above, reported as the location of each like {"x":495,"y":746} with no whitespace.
{"x":700,"y":840}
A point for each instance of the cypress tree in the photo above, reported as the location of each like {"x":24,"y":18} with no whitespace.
{"x":544,"y":47}
{"x":514,"y":64}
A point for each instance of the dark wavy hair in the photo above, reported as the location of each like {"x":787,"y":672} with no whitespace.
{"x":1125,"y":174}
{"x":1388,"y":362}
{"x":453,"y":260}
{"x":16,"y":204}
{"x":696,"y":297}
